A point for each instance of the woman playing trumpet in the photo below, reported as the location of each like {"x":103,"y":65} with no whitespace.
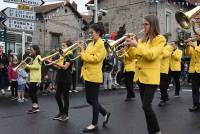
{"x":91,"y":72}
{"x":147,"y":74}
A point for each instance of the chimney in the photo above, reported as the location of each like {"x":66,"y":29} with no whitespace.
{"x":74,"y":5}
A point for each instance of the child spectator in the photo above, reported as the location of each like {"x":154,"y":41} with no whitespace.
{"x":12,"y":77}
{"x":21,"y":80}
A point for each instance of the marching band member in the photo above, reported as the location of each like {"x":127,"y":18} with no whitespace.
{"x":193,"y":50}
{"x":164,"y":69}
{"x":175,"y":69}
{"x":129,"y":71}
{"x":91,"y":72}
{"x":63,"y":83}
{"x":147,"y":75}
{"x":34,"y":77}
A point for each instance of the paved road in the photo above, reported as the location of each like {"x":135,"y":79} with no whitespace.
{"x":126,"y":117}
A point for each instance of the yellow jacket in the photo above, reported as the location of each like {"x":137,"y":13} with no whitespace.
{"x":35,"y":70}
{"x":175,"y":61}
{"x":194,"y":53}
{"x":93,"y":58}
{"x":129,"y":63}
{"x":148,"y":60}
{"x":165,"y":59}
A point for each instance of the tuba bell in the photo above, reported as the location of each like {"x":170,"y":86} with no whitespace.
{"x":187,"y":19}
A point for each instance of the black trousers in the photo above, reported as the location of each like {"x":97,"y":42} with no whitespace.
{"x":14,"y":88}
{"x":92,"y":94}
{"x":2,"y":81}
{"x":129,"y":84}
{"x":33,"y":92}
{"x":195,"y":88}
{"x":164,"y":85}
{"x":62,"y":96}
{"x":147,"y":94}
{"x":176,"y":77}
{"x":73,"y":80}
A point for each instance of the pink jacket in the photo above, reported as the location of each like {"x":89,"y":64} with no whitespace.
{"x":12,"y":75}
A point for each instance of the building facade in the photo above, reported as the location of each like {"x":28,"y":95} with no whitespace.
{"x":57,"y":23}
{"x":131,"y":13}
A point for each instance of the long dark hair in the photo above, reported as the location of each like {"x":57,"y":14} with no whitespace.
{"x":98,"y":27}
{"x":36,"y":49}
{"x":154,"y":27}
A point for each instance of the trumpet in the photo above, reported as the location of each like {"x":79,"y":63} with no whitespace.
{"x":121,"y":43}
{"x":27,"y":60}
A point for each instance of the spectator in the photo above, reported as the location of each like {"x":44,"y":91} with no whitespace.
{"x":3,"y":69}
{"x":12,"y":77}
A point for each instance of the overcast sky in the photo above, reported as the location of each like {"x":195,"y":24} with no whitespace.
{"x":81,"y":4}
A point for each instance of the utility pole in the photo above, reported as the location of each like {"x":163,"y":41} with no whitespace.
{"x":95,"y":11}
{"x":23,"y":43}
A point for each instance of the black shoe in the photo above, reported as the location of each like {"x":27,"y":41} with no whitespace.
{"x":194,"y":109}
{"x":130,"y":99}
{"x":162,"y":104}
{"x":64,"y":117}
{"x":86,"y":130}
{"x":57,"y":117}
{"x":107,"y":116}
{"x":33,"y":110}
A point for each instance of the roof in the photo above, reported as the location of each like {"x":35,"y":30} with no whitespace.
{"x":92,"y":1}
{"x":51,"y":7}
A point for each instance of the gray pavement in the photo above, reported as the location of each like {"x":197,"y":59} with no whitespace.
{"x":126,"y":117}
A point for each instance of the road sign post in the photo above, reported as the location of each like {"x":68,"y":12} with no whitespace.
{"x":26,"y":2}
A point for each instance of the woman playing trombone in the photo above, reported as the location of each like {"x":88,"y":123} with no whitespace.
{"x":63,"y":83}
{"x":91,"y":72}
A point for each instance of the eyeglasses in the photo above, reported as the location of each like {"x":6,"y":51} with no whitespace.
{"x":145,"y":24}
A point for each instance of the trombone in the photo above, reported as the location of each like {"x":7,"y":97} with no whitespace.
{"x":71,"y":50}
{"x":27,"y":60}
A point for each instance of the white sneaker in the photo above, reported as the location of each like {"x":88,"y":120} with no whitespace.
{"x":3,"y":91}
{"x":19,"y":100}
{"x":75,"y":91}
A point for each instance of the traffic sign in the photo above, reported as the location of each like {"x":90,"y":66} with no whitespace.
{"x":26,"y":2}
{"x":23,"y":7}
{"x":19,"y":14}
{"x":12,"y":23}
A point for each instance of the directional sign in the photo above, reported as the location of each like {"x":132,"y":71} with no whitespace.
{"x":26,"y":2}
{"x":23,"y":7}
{"x":19,"y":24}
{"x":19,"y":14}
{"x":2,"y":18}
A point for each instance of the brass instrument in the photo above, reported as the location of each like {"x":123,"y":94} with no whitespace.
{"x":50,"y":58}
{"x":27,"y":60}
{"x":70,"y":50}
{"x":187,"y":19}
{"x":118,"y":46}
